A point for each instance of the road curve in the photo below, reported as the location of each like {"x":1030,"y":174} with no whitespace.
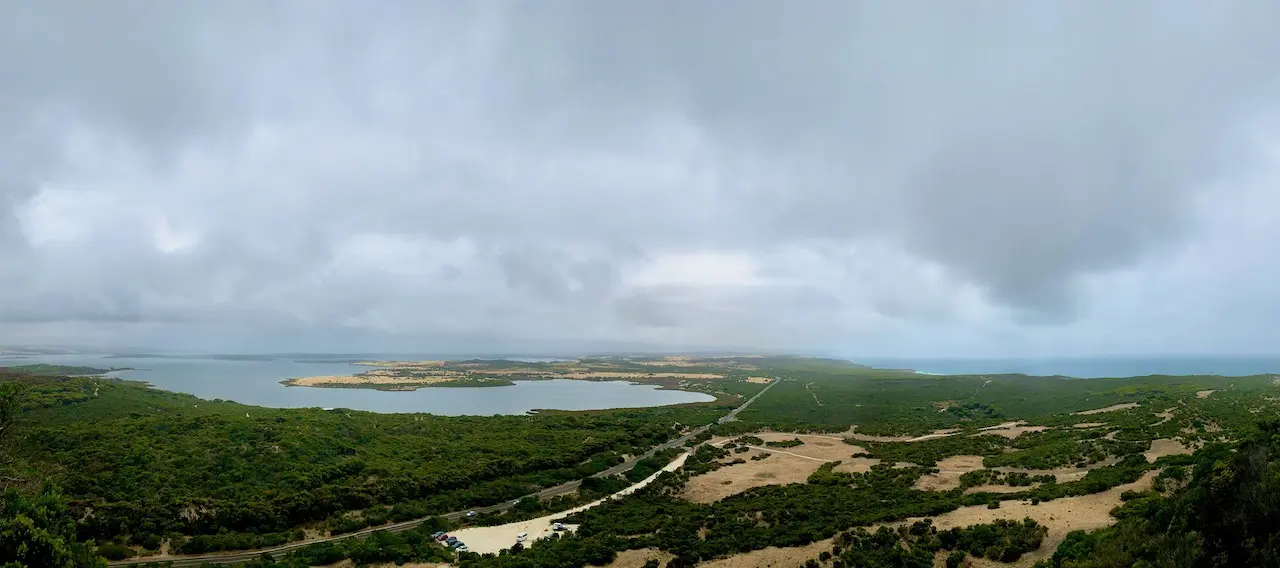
{"x":558,"y":490}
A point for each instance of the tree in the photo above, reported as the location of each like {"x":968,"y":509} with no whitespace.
{"x":10,"y":406}
{"x":41,"y":532}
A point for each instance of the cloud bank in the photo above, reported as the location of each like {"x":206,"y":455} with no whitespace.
{"x":846,"y":178}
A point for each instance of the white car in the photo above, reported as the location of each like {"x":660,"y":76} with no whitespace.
{"x":471,"y":514}
{"x":557,"y":526}
{"x":522,"y":537}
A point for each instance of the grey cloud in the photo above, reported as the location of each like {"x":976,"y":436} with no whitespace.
{"x":1021,"y":145}
{"x":1017,"y":150}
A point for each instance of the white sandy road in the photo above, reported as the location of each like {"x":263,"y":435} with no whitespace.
{"x":492,"y":539}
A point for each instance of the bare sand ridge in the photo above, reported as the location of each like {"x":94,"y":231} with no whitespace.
{"x":1205,"y":393}
{"x":484,"y":540}
{"x":1088,"y":424}
{"x":1111,"y":408}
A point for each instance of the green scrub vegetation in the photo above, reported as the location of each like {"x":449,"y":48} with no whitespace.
{"x":135,"y":467}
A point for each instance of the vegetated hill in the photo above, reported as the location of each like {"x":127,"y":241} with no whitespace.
{"x":46,"y":370}
{"x":1221,"y":510}
{"x":147,"y":462}
{"x":889,"y":402}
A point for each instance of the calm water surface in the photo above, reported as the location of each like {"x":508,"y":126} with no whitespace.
{"x":1089,"y":367}
{"x":257,"y":382}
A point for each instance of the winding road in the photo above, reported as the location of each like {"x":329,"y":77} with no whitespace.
{"x":558,"y":490}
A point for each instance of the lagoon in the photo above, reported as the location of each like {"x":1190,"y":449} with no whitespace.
{"x":256,"y":381}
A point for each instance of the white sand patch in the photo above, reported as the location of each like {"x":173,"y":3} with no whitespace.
{"x":1205,"y":393}
{"x":484,"y":540}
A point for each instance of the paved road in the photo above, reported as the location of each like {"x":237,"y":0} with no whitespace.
{"x":563,"y":489}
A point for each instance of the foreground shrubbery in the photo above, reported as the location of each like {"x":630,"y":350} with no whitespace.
{"x":1225,"y":516}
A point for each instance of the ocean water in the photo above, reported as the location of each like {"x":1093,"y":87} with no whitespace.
{"x":256,"y":381}
{"x":1093,"y":367}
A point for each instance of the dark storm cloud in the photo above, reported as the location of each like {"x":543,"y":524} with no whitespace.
{"x":677,"y":173}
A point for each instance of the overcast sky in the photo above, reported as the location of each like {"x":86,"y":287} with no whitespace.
{"x":852,"y":178}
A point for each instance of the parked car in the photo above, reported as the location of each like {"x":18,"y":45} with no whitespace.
{"x":436,"y":535}
{"x":557,"y":526}
{"x":442,"y":537}
{"x":451,"y":540}
{"x":471,"y":514}
{"x":522,"y":537}
{"x":456,"y":545}
{"x":462,"y":548}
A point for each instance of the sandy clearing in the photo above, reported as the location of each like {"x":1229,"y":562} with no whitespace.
{"x":1003,"y":426}
{"x":1205,"y":393}
{"x":1000,"y":488}
{"x":777,"y":469}
{"x":783,"y":466}
{"x":826,"y":448}
{"x":484,"y":540}
{"x":759,"y":380}
{"x":1165,"y":447}
{"x":1011,"y":430}
{"x":632,"y":375}
{"x":949,"y":472}
{"x":950,"y":469}
{"x":874,"y":438}
{"x":1111,"y":408}
{"x":1164,"y":416}
{"x":1085,"y":512}
{"x":1088,"y":424}
{"x":771,"y":557}
{"x":636,"y":558}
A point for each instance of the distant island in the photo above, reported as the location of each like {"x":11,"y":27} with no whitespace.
{"x":670,"y":371}
{"x":46,"y":370}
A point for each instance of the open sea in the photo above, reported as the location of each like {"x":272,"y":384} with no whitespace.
{"x":1088,"y":368}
